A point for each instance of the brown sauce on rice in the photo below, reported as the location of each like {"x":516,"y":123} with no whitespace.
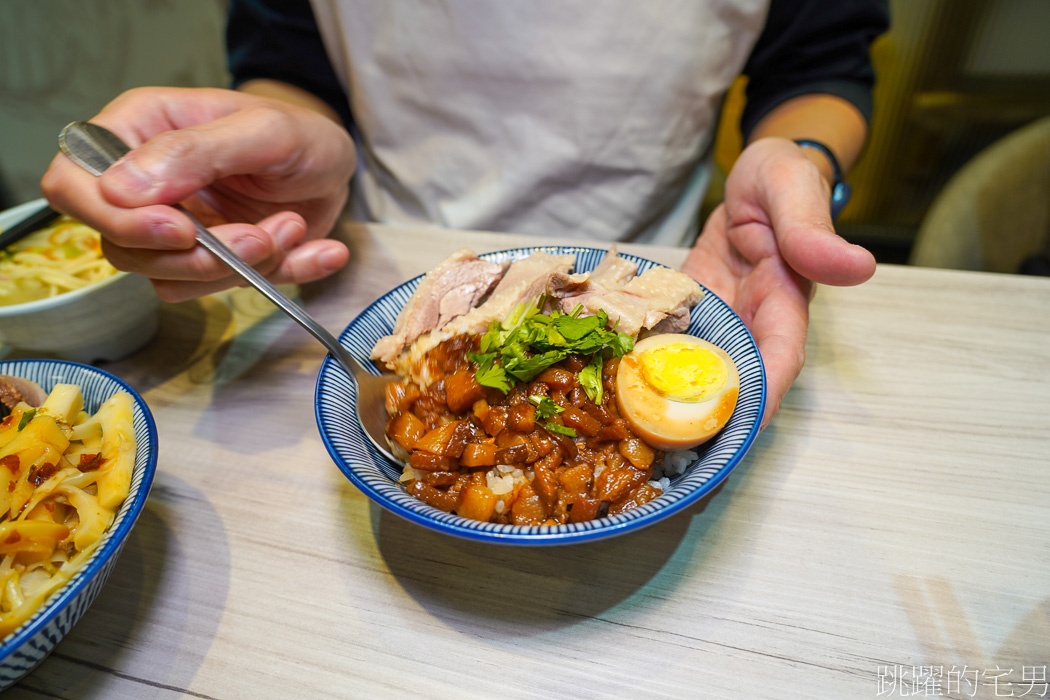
{"x":484,"y":455}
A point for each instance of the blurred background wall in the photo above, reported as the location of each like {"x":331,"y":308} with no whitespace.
{"x":955,"y":77}
{"x":63,"y":60}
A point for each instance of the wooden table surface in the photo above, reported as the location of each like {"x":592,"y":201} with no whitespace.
{"x":886,"y":536}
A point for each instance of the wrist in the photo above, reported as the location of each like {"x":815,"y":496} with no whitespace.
{"x":827,"y":170}
{"x":292,"y":94}
{"x":825,"y":160}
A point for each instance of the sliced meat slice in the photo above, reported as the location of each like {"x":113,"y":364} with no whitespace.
{"x":449,"y":290}
{"x":525,"y":281}
{"x":658,"y":296}
{"x":612,"y":273}
{"x":15,"y":390}
{"x":674,"y":322}
{"x":566,"y":285}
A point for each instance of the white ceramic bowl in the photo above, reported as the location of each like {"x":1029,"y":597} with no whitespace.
{"x":27,"y":646}
{"x":104,"y":321}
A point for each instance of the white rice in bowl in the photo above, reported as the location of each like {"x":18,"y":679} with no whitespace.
{"x":675,"y":464}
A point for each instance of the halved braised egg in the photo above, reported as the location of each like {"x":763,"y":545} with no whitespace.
{"x":676,"y":391}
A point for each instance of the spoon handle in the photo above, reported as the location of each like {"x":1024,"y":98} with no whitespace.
{"x":95,"y":148}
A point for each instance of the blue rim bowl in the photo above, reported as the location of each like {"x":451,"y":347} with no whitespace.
{"x":336,"y":395}
{"x":37,"y":637}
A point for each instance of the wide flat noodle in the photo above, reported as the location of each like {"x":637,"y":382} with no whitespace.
{"x":63,"y":476}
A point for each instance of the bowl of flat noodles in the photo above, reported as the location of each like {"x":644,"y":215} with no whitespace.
{"x":60,"y":297}
{"x":78,"y":452}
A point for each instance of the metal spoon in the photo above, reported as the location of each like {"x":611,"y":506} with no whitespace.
{"x":95,"y":148}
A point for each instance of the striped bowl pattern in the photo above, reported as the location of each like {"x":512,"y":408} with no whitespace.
{"x":30,"y":644}
{"x":376,"y":476}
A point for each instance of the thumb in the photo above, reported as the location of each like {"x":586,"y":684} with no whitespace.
{"x":800,"y":216}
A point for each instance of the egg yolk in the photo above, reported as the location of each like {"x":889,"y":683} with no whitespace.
{"x":683,"y":372}
{"x":676,"y":391}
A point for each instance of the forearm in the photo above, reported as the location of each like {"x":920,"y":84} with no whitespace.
{"x":833,"y":121}
{"x":275,"y":89}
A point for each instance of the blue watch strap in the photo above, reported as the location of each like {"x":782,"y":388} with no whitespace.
{"x":840,"y":189}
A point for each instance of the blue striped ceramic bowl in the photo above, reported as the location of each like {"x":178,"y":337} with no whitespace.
{"x":376,"y":476}
{"x":30,"y":644}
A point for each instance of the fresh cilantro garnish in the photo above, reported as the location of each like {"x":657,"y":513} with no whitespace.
{"x":26,"y":417}
{"x":488,"y":373}
{"x":499,"y":333}
{"x":561,"y":429}
{"x":528,"y":342}
{"x":545,"y":408}
{"x":621,"y":344}
{"x":591,"y":379}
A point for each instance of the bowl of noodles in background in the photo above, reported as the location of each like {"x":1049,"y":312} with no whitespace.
{"x":97,"y":493}
{"x":60,"y":298}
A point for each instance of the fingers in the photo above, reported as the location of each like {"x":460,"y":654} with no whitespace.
{"x":154,"y":227}
{"x":172,"y":165}
{"x":312,"y":261}
{"x":227,"y":156}
{"x":779,"y":325}
{"x":823,"y":256}
{"x":713,"y":262}
{"x":308,"y":262}
{"x":764,"y":249}
{"x":135,"y":116}
{"x":267,"y":156}
{"x":275,"y":248}
{"x":778,"y":186}
{"x":801,"y":219}
{"x":783,"y":362}
{"x":253,"y":244}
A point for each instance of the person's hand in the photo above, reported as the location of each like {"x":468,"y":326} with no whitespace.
{"x":766,"y":245}
{"x":268,"y":178}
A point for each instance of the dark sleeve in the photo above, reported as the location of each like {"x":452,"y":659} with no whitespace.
{"x":814,"y":46}
{"x":279,"y":40}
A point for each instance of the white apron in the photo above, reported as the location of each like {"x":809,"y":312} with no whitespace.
{"x":588,"y":119}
